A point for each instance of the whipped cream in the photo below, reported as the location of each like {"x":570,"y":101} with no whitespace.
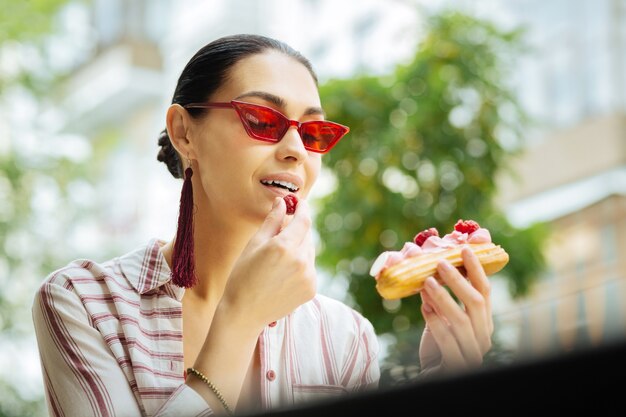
{"x":430,"y":245}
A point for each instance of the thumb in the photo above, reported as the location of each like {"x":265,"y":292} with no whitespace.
{"x":273,"y":221}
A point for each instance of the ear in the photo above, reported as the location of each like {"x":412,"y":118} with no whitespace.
{"x":178,"y":123}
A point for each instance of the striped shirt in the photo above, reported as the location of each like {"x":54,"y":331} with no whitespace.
{"x":110,"y":341}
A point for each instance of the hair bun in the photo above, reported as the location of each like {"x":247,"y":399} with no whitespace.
{"x":168,"y":155}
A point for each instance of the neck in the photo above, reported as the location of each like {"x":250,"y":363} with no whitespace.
{"x":217,"y":246}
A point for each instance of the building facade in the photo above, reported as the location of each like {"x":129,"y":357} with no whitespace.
{"x":572,"y":175}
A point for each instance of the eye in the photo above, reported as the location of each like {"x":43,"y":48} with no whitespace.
{"x":260,"y":120}
{"x":309,"y":138}
{"x":251,"y":118}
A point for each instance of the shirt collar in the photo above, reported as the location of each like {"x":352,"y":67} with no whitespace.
{"x":145,"y":268}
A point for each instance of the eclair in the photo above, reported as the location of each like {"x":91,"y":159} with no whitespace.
{"x":402,"y":273}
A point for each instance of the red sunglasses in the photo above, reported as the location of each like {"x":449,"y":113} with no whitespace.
{"x":267,"y":124}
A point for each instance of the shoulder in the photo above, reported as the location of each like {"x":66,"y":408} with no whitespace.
{"x":85,"y":277}
{"x":76,"y":272}
{"x":137,"y":271}
{"x":60,"y":296}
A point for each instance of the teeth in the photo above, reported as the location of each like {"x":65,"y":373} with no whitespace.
{"x":290,"y":186}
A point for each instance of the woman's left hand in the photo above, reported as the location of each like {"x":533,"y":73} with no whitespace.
{"x":457,"y":336}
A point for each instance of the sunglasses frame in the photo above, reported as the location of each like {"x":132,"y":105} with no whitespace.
{"x":237,"y":106}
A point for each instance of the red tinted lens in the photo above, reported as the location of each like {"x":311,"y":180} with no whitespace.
{"x":319,"y":136}
{"x":262,"y":122}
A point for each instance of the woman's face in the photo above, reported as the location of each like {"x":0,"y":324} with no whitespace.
{"x":237,"y":171}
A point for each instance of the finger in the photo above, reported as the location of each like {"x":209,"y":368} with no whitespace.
{"x":300,"y":226}
{"x":448,"y":346}
{"x":272,"y":223}
{"x":454,"y":279}
{"x":459,"y":322}
{"x":426,"y":305}
{"x":477,"y":277}
{"x":431,"y":305}
{"x":474,"y":312}
{"x":475,"y":304}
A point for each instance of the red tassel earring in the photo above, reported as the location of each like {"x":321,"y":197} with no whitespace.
{"x":183,"y":268}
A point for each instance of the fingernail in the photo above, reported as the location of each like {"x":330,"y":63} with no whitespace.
{"x":427,"y":308}
{"x":432,"y":283}
{"x":276,"y":202}
{"x":445,"y":265}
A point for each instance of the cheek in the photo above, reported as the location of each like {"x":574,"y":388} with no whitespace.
{"x":313,"y":168}
{"x":222,"y":163}
{"x":220,"y":148}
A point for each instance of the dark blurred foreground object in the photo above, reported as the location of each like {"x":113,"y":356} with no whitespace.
{"x":589,"y":379}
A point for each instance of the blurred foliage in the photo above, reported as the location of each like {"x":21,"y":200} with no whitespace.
{"x":24,"y":28}
{"x":32,"y":185}
{"x":27,"y":247}
{"x":27,"y":19}
{"x":427,"y":144}
{"x":13,"y":405}
{"x":24,"y":24}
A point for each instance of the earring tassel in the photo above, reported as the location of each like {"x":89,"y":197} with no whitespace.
{"x":183,"y":268}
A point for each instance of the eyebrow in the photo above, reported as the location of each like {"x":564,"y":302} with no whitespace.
{"x":279,"y":102}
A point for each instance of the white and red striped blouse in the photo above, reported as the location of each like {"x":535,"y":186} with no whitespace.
{"x":110,"y":341}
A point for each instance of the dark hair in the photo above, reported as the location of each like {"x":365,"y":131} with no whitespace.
{"x":207,"y":70}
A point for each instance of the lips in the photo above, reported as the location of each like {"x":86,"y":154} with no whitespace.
{"x":282,"y":184}
{"x":287,"y":182}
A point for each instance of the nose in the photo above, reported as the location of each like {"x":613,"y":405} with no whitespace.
{"x":291,"y":146}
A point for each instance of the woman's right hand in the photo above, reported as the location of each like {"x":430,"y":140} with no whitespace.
{"x":276,"y":271}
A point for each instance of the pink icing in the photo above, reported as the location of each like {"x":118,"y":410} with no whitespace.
{"x":432,"y":244}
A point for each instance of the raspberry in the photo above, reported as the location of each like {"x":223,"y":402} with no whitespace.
{"x":466,"y":226}
{"x":421,"y":237}
{"x":291,"y":201}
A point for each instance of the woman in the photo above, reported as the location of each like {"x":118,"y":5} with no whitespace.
{"x":225,"y":316}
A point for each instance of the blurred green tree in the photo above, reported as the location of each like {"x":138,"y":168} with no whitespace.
{"x":427,"y":144}
{"x":33,"y":186}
